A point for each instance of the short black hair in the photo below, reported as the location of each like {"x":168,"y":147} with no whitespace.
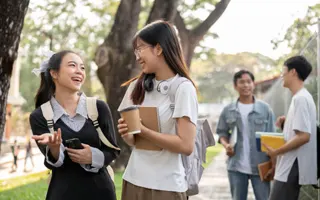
{"x":301,"y":65}
{"x":239,"y":74}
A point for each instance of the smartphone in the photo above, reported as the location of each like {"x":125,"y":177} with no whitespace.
{"x":74,"y":143}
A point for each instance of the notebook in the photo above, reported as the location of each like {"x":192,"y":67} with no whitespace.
{"x":274,"y":142}
{"x":258,"y":138}
{"x":150,"y":119}
{"x":258,"y":134}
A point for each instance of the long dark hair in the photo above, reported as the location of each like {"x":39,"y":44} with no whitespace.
{"x":162,"y":33}
{"x":47,"y":87}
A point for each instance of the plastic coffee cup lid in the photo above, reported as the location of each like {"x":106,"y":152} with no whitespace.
{"x":134,"y":107}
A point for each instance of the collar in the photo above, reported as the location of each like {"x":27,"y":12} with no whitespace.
{"x":58,"y":110}
{"x":169,"y":80}
{"x":256,"y":107}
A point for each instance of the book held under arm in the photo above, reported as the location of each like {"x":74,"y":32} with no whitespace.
{"x":263,"y":169}
{"x":234,"y":137}
{"x":271,"y":139}
{"x":149,"y":118}
{"x":274,"y":142}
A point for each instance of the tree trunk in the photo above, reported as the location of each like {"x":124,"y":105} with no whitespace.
{"x":191,"y":38}
{"x":163,"y":10}
{"x":12,"y":15}
{"x":87,"y":86}
{"x":115,"y":62}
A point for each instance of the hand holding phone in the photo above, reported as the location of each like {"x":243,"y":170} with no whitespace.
{"x":78,"y":152}
{"x":74,"y":143}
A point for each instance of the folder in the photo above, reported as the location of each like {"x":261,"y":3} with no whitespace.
{"x":234,"y":137}
{"x":149,"y":118}
{"x":258,"y":134}
{"x":263,"y":169}
{"x":274,"y":142}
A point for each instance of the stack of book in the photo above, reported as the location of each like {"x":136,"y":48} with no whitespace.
{"x":272,"y":139}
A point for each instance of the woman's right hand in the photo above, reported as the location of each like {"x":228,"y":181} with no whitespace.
{"x":52,"y":140}
{"x":122,"y":127}
{"x":123,"y":131}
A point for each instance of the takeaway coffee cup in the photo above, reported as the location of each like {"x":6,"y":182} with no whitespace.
{"x":132,"y":119}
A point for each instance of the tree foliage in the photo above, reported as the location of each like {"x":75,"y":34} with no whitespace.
{"x":55,"y":25}
{"x":81,"y":25}
{"x":214,"y":77}
{"x":301,"y":38}
{"x":298,"y":35}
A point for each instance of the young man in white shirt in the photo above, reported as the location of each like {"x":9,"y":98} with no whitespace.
{"x":297,"y":159}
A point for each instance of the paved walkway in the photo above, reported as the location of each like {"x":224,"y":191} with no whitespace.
{"x":6,"y":163}
{"x":214,"y":184}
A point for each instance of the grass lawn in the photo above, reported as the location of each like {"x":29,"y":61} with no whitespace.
{"x":118,"y":183}
{"x":29,"y":187}
{"x":34,"y":186}
{"x":211,"y":153}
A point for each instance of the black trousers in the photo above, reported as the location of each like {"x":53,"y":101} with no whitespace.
{"x":287,"y":190}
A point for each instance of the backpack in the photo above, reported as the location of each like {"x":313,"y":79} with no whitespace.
{"x":93,"y":114}
{"x":204,"y":138}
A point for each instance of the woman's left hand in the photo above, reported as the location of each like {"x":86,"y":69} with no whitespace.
{"x":81,"y":156}
{"x":143,"y":129}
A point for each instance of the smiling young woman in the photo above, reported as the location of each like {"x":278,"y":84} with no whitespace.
{"x":76,"y":173}
{"x":155,"y":175}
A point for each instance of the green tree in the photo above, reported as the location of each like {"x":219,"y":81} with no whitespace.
{"x":299,"y":34}
{"x":301,"y":40}
{"x":55,"y":25}
{"x":214,"y":76}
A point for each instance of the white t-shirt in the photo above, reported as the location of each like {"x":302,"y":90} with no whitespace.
{"x":301,"y":116}
{"x":162,"y":170}
{"x":244,"y":161}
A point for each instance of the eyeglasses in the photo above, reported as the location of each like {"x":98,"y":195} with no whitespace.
{"x":138,"y":50}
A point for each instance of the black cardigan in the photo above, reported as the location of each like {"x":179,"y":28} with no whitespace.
{"x":70,"y":181}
